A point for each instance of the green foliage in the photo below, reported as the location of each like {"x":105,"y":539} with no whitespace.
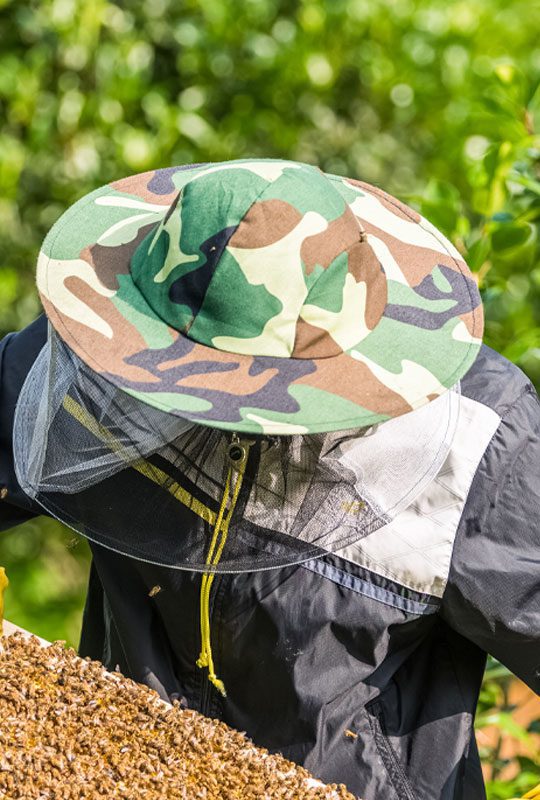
{"x":439,"y":103}
{"x":494,"y":708}
{"x":47,"y":567}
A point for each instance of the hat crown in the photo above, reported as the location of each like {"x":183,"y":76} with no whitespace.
{"x":266,"y":260}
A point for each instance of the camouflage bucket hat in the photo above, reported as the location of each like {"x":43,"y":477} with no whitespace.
{"x":262,"y":296}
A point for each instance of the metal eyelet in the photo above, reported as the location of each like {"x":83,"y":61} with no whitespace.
{"x":238,"y":450}
{"x":237,"y":453}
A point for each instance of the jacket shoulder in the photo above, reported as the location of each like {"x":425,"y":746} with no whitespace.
{"x":495,"y":381}
{"x":498,"y":414}
{"x":492,"y":594}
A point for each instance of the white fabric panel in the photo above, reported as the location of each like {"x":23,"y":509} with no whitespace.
{"x":415,"y":549}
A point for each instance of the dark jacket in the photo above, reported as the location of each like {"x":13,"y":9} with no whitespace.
{"x":365,"y":669}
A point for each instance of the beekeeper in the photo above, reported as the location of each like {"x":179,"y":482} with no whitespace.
{"x":312,"y":494}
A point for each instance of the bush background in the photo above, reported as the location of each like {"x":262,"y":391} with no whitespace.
{"x":435,"y":101}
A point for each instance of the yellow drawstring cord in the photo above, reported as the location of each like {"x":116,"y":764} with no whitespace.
{"x":4,"y":583}
{"x":212,"y":559}
{"x":534,"y":794}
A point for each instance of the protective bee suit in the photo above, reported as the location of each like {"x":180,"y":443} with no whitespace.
{"x":311,"y":493}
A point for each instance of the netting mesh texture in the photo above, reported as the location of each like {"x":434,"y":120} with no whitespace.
{"x":149,"y":484}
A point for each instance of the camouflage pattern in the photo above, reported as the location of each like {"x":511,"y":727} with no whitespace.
{"x":261,"y":295}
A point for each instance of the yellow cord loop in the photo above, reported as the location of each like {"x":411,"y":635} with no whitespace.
{"x":534,"y":794}
{"x":213,"y":556}
{"x":4,"y":583}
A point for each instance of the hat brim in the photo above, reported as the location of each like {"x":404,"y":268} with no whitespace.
{"x":411,"y":356}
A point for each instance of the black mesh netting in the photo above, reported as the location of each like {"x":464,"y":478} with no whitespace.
{"x":149,"y":484}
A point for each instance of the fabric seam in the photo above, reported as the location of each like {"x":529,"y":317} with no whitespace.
{"x":381,"y":193}
{"x":370,"y":590}
{"x":386,"y":752}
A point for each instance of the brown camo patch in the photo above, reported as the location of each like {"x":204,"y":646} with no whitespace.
{"x":85,"y":341}
{"x":415,"y":262}
{"x":346,"y":377}
{"x":266,"y":222}
{"x":196,"y":354}
{"x":109,"y":262}
{"x":313,"y":342}
{"x":322,"y":248}
{"x":365,"y":266}
{"x":474,"y":320}
{"x":237,"y":382}
{"x":138,"y":185}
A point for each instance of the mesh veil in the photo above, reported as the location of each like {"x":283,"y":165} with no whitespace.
{"x":148,"y":484}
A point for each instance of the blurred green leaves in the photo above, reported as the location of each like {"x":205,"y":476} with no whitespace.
{"x":494,"y":709}
{"x":47,"y":565}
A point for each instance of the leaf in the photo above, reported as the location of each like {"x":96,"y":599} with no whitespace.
{"x":506,"y":723}
{"x":509,"y":237}
{"x":478,"y":253}
{"x":533,"y":107}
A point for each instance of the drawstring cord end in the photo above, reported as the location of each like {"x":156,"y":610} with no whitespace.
{"x":238,"y":452}
{"x":202,"y":661}
{"x":220,"y":686}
